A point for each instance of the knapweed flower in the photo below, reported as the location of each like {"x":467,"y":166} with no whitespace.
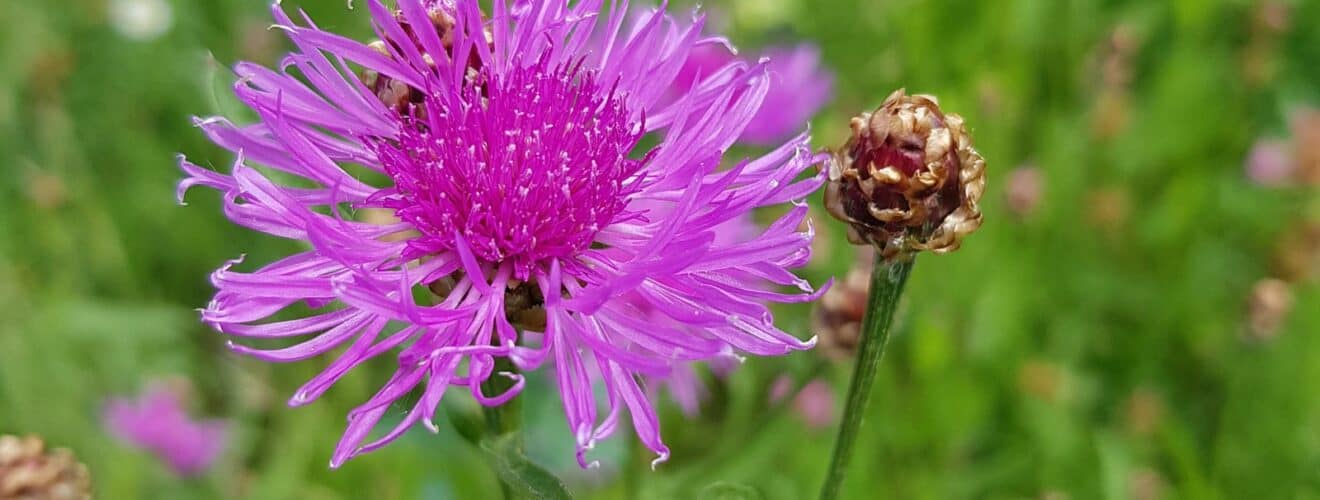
{"x":814,"y":403}
{"x":1270,"y":163}
{"x":158,"y":422}
{"x":800,"y":85}
{"x":524,"y":154}
{"x":1023,"y":190}
{"x":908,"y":178}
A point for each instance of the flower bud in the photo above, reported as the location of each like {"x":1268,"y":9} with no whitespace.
{"x":837,"y":317}
{"x":908,"y":178}
{"x":27,"y":470}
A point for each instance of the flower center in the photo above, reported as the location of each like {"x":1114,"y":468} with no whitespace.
{"x":526,"y":167}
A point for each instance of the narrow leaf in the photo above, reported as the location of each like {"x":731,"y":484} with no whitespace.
{"x":524,"y":478}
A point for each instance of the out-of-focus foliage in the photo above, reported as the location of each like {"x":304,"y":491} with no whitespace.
{"x":1095,"y":346}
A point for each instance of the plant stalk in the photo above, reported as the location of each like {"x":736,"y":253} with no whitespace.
{"x":887,"y":282}
{"x":505,"y":419}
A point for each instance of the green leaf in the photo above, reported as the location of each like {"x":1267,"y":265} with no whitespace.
{"x":524,"y":478}
{"x":729,"y":491}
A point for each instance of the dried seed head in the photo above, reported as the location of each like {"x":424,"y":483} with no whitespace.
{"x":28,"y":471}
{"x":1043,"y":380}
{"x":908,"y":178}
{"x":1146,"y":484}
{"x":1305,"y":127}
{"x":837,"y":317}
{"x":1297,"y":259}
{"x":1108,"y":209}
{"x":1143,"y":412}
{"x":1270,"y":302}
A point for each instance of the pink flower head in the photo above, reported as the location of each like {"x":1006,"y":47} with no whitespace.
{"x":511,"y":150}
{"x":1270,"y":163}
{"x":158,"y":423}
{"x":814,"y":403}
{"x":799,"y":87}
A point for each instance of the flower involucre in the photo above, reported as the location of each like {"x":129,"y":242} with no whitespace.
{"x":908,"y":178}
{"x":528,"y":220}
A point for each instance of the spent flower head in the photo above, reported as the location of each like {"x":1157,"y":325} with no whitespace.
{"x":533,"y":220}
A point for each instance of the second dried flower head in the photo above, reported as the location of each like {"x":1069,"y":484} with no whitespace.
{"x":908,"y":178}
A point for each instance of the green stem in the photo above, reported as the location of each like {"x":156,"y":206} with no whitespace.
{"x":632,"y":481}
{"x":887,"y":282}
{"x":504,"y":419}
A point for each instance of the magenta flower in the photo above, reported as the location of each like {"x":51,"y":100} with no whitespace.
{"x":510,"y":148}
{"x":158,"y":423}
{"x":1270,"y":163}
{"x":814,"y":403}
{"x":800,"y":86}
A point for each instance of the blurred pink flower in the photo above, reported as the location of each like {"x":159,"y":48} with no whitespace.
{"x":1023,"y":190}
{"x":158,"y":423}
{"x":814,"y":404}
{"x":1270,"y":163}
{"x":799,"y":87}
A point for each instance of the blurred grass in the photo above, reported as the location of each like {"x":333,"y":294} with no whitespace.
{"x":1092,"y":349}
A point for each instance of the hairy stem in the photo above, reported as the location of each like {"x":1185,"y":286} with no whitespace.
{"x":887,"y":282}
{"x":505,"y":419}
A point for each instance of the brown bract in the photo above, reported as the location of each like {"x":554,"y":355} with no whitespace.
{"x":398,"y":95}
{"x":28,"y":471}
{"x":908,"y":178}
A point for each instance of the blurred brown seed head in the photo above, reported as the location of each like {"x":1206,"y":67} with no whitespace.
{"x":991,"y":97}
{"x":1297,"y":259}
{"x":50,"y":70}
{"x":1305,"y":127}
{"x":1023,"y":190}
{"x":1272,"y":17}
{"x":1114,"y":70}
{"x":908,"y":178}
{"x":1117,"y":55}
{"x":1111,"y":113}
{"x":1143,"y":412}
{"x":29,"y":471}
{"x":1043,"y":380}
{"x":47,"y":191}
{"x":1146,"y":484}
{"x":837,"y":317}
{"x":1270,"y":302}
{"x":1107,"y":209}
{"x":1260,"y":57}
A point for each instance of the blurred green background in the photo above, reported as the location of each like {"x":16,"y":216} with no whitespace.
{"x":1110,"y":333}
